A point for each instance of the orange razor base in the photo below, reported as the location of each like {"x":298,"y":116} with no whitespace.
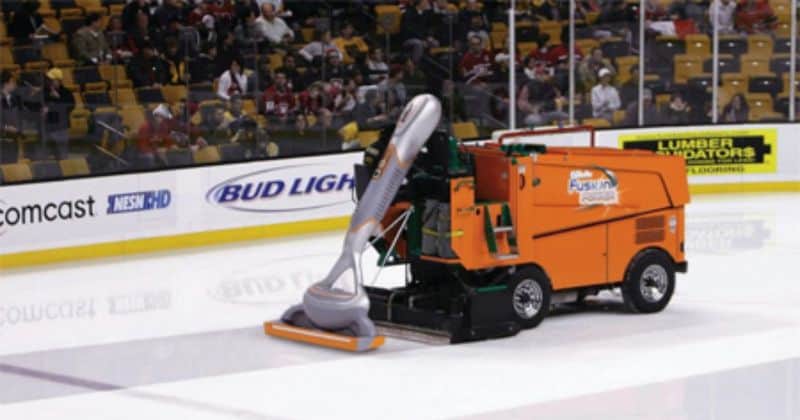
{"x":322,"y":338}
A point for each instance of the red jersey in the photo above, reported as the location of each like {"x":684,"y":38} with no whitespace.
{"x":473,"y":64}
{"x":552,"y":55}
{"x":278,"y":102}
{"x":309,"y":105}
{"x":150,"y":138}
{"x":758,"y":18}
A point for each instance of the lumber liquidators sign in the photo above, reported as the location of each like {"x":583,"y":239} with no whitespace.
{"x":713,"y":152}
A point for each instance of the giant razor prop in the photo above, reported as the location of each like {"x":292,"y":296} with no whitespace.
{"x":331,"y":314}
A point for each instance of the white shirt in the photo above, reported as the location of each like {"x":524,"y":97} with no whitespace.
{"x":605,"y":99}
{"x":726,"y":15}
{"x":318,"y":49}
{"x":225,"y":83}
{"x":274,"y":31}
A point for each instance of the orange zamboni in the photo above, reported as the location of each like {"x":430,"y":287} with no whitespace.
{"x":498,"y":233}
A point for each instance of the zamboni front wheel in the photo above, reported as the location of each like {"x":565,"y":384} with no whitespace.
{"x":530,"y":296}
{"x":649,"y":282}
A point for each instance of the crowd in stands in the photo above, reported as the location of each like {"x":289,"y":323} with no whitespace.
{"x":155,"y":83}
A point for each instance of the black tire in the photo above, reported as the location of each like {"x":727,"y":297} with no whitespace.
{"x":530,"y":292}
{"x":649,"y":282}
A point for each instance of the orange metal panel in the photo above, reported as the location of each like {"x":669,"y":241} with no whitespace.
{"x":574,"y":258}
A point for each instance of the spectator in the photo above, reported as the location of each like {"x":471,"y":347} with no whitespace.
{"x":544,"y":10}
{"x":605,"y":98}
{"x":116,"y":38}
{"x":369,"y":115}
{"x":170,"y":11}
{"x":155,"y":137}
{"x":320,"y":47}
{"x":131,"y":12}
{"x":233,"y":81}
{"x":349,"y":45}
{"x":393,"y":89}
{"x":312,"y":100}
{"x":277,"y":101}
{"x":736,"y":111}
{"x":294,"y":78}
{"x":272,"y":27}
{"x":478,"y":29}
{"x":650,"y":112}
{"x":376,"y":67}
{"x":677,"y":111}
{"x":417,"y":27}
{"x":204,"y":67}
{"x":629,"y":91}
{"x":58,"y":103}
{"x":414,"y":79}
{"x":476,"y":64}
{"x":345,"y":100}
{"x":88,"y":43}
{"x":454,"y":108}
{"x":142,"y":34}
{"x":333,"y":68}
{"x":10,"y":108}
{"x":723,"y":11}
{"x":213,"y":129}
{"x":445,"y":22}
{"x":147,"y":69}
{"x":244,"y":8}
{"x":261,"y":77}
{"x":176,"y":62}
{"x":226,"y":52}
{"x":534,"y":67}
{"x":254,"y":140}
{"x":755,"y":16}
{"x":248,"y":32}
{"x":28,"y":23}
{"x":541,"y":101}
{"x":591,"y":65}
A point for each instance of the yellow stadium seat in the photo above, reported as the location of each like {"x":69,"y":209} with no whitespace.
{"x":498,"y":39}
{"x":174,"y":93}
{"x":759,"y":45}
{"x":687,"y":66}
{"x":5,"y":55}
{"x":552,"y":29}
{"x":597,"y":122}
{"x":389,"y":17}
{"x":209,"y":154}
{"x":587,"y":45}
{"x":74,"y":167}
{"x":698,"y":45}
{"x":249,"y":107}
{"x":736,"y":82}
{"x":58,"y":54}
{"x":79,"y":123}
{"x":366,"y":138}
{"x":16,"y":172}
{"x":526,"y":47}
{"x":465,"y":130}
{"x":123,"y":97}
{"x":619,"y":116}
{"x":760,"y":104}
{"x":132,"y":117}
{"x":275,"y":61}
{"x":115,"y":75}
{"x":349,"y":132}
{"x":754,"y":65}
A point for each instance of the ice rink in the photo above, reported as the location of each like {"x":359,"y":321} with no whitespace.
{"x":179,"y":336}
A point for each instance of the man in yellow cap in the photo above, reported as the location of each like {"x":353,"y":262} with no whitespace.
{"x":58,"y":103}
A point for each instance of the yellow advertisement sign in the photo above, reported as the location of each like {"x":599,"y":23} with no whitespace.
{"x":713,"y":152}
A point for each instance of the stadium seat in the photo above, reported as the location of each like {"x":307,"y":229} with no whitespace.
{"x":53,"y":23}
{"x":498,"y":39}
{"x":465,"y":130}
{"x":624,"y":64}
{"x":700,"y":81}
{"x":172,"y":94}
{"x":698,"y":45}
{"x":596,"y":122}
{"x":147,"y":95}
{"x":388,"y":18}
{"x":786,"y":85}
{"x":16,"y":172}
{"x":619,"y":117}
{"x":760,"y":104}
{"x":754,"y":65}
{"x":765,"y":84}
{"x":132,"y":117}
{"x":231,"y":152}
{"x":208,"y":154}
{"x":781,"y":63}
{"x":727,"y":64}
{"x":782,"y":45}
{"x":74,"y":167}
{"x":70,"y":25}
{"x":654,"y":83}
{"x":57,"y":53}
{"x":25,"y":55}
{"x":736,"y":82}
{"x":759,"y":45}
{"x":732,"y":44}
{"x":46,"y":169}
{"x":614,"y":47}
{"x":668,"y":46}
{"x":366,"y":138}
{"x":1,"y":177}
{"x":686,"y":66}
{"x":179,"y":157}
{"x":124,"y":97}
{"x":79,"y":123}
{"x":89,"y":78}
{"x":115,"y":75}
{"x":587,"y":45}
{"x":201,"y":92}
{"x":552,"y":29}
{"x":526,"y":47}
{"x":6,"y":57}
{"x":96,"y":99}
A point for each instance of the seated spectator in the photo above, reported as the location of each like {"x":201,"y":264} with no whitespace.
{"x":27,"y":23}
{"x":345,"y":100}
{"x":557,"y":53}
{"x":540,"y":100}
{"x":262,"y":76}
{"x":312,"y":100}
{"x":590,"y":66}
{"x":755,"y":16}
{"x":170,"y":11}
{"x":477,"y":28}
{"x":233,"y":81}
{"x":116,"y":38}
{"x":58,"y":103}
{"x":349,"y":45}
{"x":204,"y":67}
{"x":534,"y":67}
{"x":414,"y":79}
{"x":476,"y":64}
{"x":278,"y":101}
{"x":677,"y":111}
{"x":272,"y":27}
{"x":147,"y":69}
{"x":131,"y":12}
{"x":176,"y":62}
{"x":543,"y":10}
{"x":376,"y":67}
{"x":248,"y":32}
{"x":605,"y":98}
{"x":454,"y":108}
{"x":256,"y":141}
{"x":243,"y":8}
{"x":10,"y":128}
{"x":393,"y":89}
{"x":417,"y":29}
{"x":155,"y":137}
{"x":226,"y":52}
{"x":629,"y":91}
{"x":142,"y":34}
{"x":89,"y":45}
{"x":723,"y":11}
{"x":736,"y":111}
{"x":213,"y":129}
{"x":369,"y":115}
{"x":320,"y":47}
{"x":235,"y":114}
{"x":294,"y":78}
{"x":333,"y":68}
{"x":650,"y":114}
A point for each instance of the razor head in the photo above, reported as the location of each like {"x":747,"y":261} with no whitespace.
{"x":322,"y":338}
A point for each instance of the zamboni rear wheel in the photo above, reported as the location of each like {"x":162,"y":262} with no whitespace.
{"x":649,"y":282}
{"x":530,"y":296}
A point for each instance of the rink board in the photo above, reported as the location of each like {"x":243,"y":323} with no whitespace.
{"x":126,"y":214}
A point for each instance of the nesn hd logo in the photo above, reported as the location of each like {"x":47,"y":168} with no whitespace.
{"x":138,"y":201}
